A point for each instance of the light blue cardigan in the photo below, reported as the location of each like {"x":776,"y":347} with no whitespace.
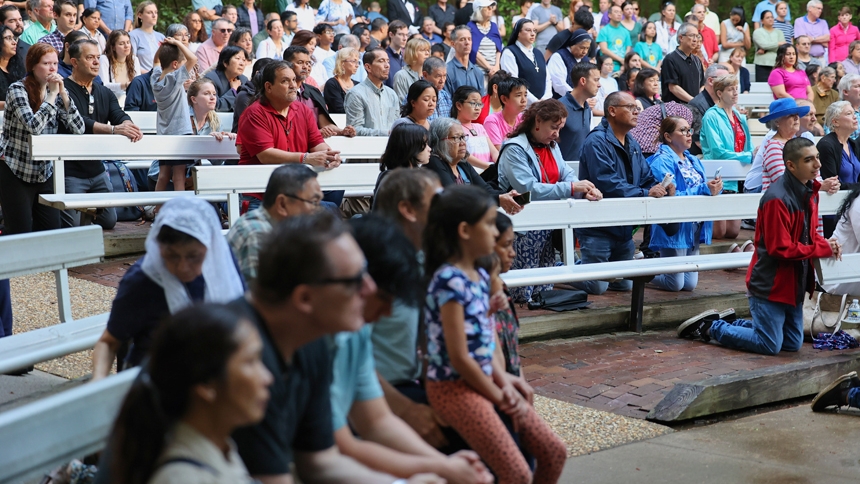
{"x":718,"y":139}
{"x":519,"y":168}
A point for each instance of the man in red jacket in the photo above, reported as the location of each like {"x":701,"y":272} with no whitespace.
{"x":780,"y":272}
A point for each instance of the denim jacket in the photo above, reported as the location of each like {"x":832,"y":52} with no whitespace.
{"x":519,"y":168}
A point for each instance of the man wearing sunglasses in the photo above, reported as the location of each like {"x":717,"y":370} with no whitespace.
{"x":312,"y":282}
{"x":208,"y":52}
{"x":102,"y":115}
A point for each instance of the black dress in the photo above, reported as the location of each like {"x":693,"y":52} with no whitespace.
{"x":334,"y":94}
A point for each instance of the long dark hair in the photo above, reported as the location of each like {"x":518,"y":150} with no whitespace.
{"x":415,"y":91}
{"x":780,"y":55}
{"x":16,"y":64}
{"x":191,"y":348}
{"x":113,"y":38}
{"x":405,"y":142}
{"x":846,"y":204}
{"x":460,"y":95}
{"x":456,"y":204}
{"x":201,"y":35}
{"x":740,"y":12}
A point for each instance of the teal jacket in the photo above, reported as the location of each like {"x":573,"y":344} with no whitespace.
{"x":718,"y":139}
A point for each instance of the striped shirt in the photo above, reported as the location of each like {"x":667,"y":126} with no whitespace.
{"x":786,"y":28}
{"x":20,"y":123}
{"x":773,"y":167}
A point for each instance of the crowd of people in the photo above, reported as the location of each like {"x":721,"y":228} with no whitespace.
{"x":385,"y":349}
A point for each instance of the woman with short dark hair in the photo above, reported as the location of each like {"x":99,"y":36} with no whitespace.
{"x":228,"y":76}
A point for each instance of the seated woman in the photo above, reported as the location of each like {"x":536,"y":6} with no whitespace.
{"x":242,"y":37}
{"x":673,"y":158}
{"x":840,"y":155}
{"x":726,"y":136}
{"x":11,"y":64}
{"x":786,"y":80}
{"x":465,"y":107}
{"x":334,"y":91}
{"x":273,"y":47}
{"x":204,"y":379}
{"x":416,"y":52}
{"x":646,"y":88}
{"x":846,"y":233}
{"x":448,"y":160}
{"x":180,"y":33}
{"x":35,"y":105}
{"x":118,"y":66}
{"x":187,"y":260}
{"x":228,"y":76}
{"x":408,"y":147}
{"x":420,"y":104}
{"x":531,"y":161}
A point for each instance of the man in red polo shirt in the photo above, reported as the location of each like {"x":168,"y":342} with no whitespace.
{"x":276,"y":130}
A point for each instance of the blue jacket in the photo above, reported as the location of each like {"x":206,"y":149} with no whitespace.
{"x":519,"y":168}
{"x":718,"y":139}
{"x":139,"y":96}
{"x":666,"y":161}
{"x":615,"y":171}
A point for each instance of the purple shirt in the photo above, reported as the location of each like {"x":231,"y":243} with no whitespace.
{"x":795,"y":82}
{"x":802,"y":26}
{"x":252,"y":16}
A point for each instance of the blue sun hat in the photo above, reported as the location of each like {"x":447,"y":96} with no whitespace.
{"x":784,"y":107}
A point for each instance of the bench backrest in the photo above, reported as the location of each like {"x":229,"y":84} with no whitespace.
{"x":102,"y":147}
{"x":832,"y":271}
{"x":359,"y":147}
{"x":354,"y":178}
{"x":755,"y":99}
{"x":732,"y":170}
{"x":52,"y":431}
{"x":147,"y":120}
{"x":50,"y":250}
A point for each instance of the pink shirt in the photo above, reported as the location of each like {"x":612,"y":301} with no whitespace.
{"x":795,"y":82}
{"x":207,"y":54}
{"x":497,"y":128}
{"x":840,"y":39}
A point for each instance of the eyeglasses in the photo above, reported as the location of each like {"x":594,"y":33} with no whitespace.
{"x":225,"y":31}
{"x":315,"y":203}
{"x":10,"y":38}
{"x":476,"y":105}
{"x":685,"y":131}
{"x":633,"y":108}
{"x":456,"y":139}
{"x":196,"y":20}
{"x":355,"y":282}
{"x":92,"y":102}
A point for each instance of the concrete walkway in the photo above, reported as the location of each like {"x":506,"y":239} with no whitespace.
{"x":791,"y":446}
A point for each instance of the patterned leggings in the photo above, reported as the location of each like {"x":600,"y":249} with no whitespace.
{"x":474,"y":418}
{"x":534,"y":249}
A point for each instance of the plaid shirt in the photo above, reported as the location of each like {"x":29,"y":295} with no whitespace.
{"x":20,"y":122}
{"x":443,"y":106}
{"x":55,"y":38}
{"x":245,"y":238}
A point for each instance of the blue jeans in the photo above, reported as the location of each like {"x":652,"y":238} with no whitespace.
{"x":774,"y":327}
{"x":106,"y":217}
{"x":604,"y":249}
{"x":683,"y":281}
{"x":5,"y":309}
{"x":854,"y":397}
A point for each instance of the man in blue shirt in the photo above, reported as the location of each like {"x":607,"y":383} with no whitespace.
{"x":428,"y":28}
{"x":460,"y":71}
{"x":398,"y":35}
{"x":386,"y":442}
{"x":116,"y":14}
{"x":767,"y":6}
{"x":585,"y":77}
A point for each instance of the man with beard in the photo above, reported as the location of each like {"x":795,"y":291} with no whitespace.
{"x":10,"y":16}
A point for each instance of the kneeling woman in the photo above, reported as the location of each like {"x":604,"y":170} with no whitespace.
{"x":187,"y":260}
{"x":203,"y":380}
{"x":673,"y":158}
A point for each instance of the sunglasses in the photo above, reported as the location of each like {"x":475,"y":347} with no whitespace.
{"x":355,"y":282}
{"x":225,"y":31}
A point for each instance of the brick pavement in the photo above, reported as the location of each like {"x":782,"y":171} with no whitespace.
{"x":630,"y":373}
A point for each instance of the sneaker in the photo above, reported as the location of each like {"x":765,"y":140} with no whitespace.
{"x":748,"y":224}
{"x":836,"y":393}
{"x":728,"y":316}
{"x":697,"y":327}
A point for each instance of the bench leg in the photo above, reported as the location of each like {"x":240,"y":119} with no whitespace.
{"x":636,"y":304}
{"x":569,"y":254}
{"x":233,"y":204}
{"x":64,"y":302}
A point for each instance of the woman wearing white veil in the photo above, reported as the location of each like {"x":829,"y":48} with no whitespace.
{"x":187,"y":261}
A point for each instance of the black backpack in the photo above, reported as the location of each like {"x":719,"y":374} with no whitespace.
{"x":122,"y":181}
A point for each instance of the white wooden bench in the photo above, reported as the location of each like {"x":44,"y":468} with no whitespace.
{"x":44,"y":434}
{"x":146,"y":120}
{"x":51,"y":251}
{"x":357,"y":180}
{"x":832,"y":271}
{"x":755,"y":100}
{"x":732,"y":170}
{"x":760,"y":88}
